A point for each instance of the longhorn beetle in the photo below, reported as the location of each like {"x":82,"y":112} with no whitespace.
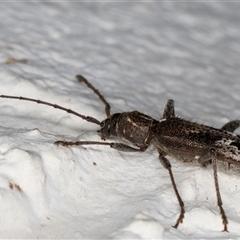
{"x":172,"y":136}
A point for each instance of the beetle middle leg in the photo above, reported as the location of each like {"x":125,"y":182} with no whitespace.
{"x":169,"y":110}
{"x":166,"y":164}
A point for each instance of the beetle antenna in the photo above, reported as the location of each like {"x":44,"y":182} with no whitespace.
{"x":80,"y":78}
{"x":87,"y":118}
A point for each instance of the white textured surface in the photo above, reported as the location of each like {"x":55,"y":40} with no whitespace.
{"x":138,"y":55}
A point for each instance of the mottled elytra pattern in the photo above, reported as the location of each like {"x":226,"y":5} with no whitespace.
{"x":186,"y":141}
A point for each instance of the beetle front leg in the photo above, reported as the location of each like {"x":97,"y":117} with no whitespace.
{"x":118,"y":146}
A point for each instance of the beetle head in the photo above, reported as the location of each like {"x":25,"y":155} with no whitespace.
{"x":108,"y":126}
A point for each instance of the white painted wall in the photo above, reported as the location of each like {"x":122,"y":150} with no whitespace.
{"x":138,"y":54}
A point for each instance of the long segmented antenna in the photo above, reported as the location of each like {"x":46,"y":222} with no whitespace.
{"x":87,"y":118}
{"x":80,"y":78}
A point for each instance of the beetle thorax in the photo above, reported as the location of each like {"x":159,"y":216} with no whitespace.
{"x":133,"y":127}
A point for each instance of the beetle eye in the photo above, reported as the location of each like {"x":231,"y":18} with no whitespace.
{"x":105,"y":125}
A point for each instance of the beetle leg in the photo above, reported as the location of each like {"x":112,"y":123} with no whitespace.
{"x":169,"y":110}
{"x":210,"y":153}
{"x":166,"y":164}
{"x":231,"y":126}
{"x":118,"y":146}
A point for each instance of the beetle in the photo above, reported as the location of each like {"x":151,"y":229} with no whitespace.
{"x":184,"y":140}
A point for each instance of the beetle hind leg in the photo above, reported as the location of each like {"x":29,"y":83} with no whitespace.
{"x":231,"y":126}
{"x":210,"y":155}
